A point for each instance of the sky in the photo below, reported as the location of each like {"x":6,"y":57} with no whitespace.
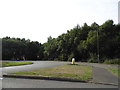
{"x":38,"y":19}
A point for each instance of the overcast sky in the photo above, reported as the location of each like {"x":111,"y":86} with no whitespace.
{"x":38,"y":19}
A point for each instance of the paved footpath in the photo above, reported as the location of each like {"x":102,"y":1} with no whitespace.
{"x":101,"y":75}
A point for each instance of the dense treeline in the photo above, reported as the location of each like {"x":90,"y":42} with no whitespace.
{"x":21,"y":49}
{"x":84,"y":43}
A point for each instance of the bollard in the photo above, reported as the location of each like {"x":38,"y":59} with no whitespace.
{"x":73,"y":60}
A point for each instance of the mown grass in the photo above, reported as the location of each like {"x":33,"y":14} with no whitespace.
{"x":115,"y":71}
{"x":78,"y":72}
{"x":13,"y":63}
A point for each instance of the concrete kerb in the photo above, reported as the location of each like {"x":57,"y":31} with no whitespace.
{"x":43,"y":78}
{"x":54,"y":78}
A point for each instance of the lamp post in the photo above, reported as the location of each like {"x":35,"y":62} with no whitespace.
{"x":14,"y":55}
{"x":119,"y":12}
{"x":98,"y":46}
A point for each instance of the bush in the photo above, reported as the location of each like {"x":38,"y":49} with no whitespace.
{"x":70,"y":57}
{"x":93,"y":58}
{"x":93,"y":61}
{"x":56,"y":59}
{"x":112,"y":61}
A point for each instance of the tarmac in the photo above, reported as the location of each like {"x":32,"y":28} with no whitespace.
{"x":100,"y":76}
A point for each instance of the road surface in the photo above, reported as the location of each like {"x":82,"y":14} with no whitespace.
{"x":33,"y":83}
{"x":36,"y":65}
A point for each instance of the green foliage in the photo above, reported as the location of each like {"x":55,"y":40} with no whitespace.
{"x":93,"y":58}
{"x":82,"y":43}
{"x":79,"y":42}
{"x":112,"y":61}
{"x":115,"y":71}
{"x":16,"y":48}
{"x":70,"y":57}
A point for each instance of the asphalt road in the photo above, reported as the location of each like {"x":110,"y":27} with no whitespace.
{"x":36,"y":65}
{"x":43,"y":64}
{"x":33,"y":83}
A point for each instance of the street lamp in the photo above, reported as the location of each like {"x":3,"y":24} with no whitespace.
{"x":119,"y":12}
{"x":98,"y":46}
{"x":14,"y":55}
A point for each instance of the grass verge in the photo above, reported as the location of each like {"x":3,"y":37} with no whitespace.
{"x":76,"y":72}
{"x":115,"y":71}
{"x":13,"y":63}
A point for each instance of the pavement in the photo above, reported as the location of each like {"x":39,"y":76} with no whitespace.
{"x":100,"y":74}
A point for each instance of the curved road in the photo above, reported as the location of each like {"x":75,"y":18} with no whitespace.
{"x":35,"y":65}
{"x":32,"y":83}
{"x":43,"y":64}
